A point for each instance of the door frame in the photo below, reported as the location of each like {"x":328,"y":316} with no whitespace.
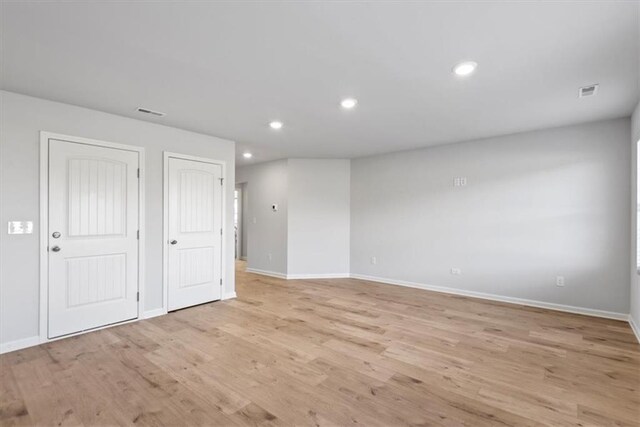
{"x":44,"y":226}
{"x":166,"y":155}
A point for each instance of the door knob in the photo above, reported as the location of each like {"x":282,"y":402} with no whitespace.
{"x":56,"y":249}
{"x":173,"y":242}
{"x":56,"y":234}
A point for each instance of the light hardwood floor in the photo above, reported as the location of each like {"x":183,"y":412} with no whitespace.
{"x":333,"y":352}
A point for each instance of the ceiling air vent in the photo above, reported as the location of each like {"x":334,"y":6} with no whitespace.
{"x":588,"y":91}
{"x":152,"y":112}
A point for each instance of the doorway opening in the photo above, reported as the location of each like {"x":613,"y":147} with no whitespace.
{"x":239,"y":221}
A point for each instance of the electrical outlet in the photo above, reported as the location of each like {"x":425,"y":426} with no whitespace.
{"x":560,"y":281}
{"x":460,"y":181}
{"x":374,"y":260}
{"x":456,"y":271}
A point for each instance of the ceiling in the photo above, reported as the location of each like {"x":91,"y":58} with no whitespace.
{"x":229,"y":68}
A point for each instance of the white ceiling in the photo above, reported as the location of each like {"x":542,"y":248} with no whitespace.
{"x":228,"y":68}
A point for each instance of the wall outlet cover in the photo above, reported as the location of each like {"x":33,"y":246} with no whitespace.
{"x":20,"y":227}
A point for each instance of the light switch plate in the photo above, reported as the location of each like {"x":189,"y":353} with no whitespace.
{"x":20,"y":227}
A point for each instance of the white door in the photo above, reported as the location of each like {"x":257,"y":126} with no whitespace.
{"x":93,"y":236}
{"x":195,"y":233}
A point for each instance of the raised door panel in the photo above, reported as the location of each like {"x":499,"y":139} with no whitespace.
{"x":97,"y":197}
{"x":195,"y":267}
{"x":196,"y":201}
{"x":96,"y":279}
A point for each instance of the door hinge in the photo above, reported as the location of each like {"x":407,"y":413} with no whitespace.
{"x":138,"y":235}
{"x":138,"y":172}
{"x":138,"y":296}
{"x":220,"y":282}
{"x":221,"y":181}
{"x":221,"y":231}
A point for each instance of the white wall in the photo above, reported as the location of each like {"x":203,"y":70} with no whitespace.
{"x":537,"y":205}
{"x":635,"y":279}
{"x":21,"y":120}
{"x":319,"y":219}
{"x":266,"y":184}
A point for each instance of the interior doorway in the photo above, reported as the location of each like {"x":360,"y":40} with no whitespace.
{"x":239,"y":222}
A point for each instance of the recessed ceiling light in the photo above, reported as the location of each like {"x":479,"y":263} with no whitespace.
{"x":247,"y":155}
{"x":465,"y":68}
{"x":275,"y":125}
{"x":349,"y":103}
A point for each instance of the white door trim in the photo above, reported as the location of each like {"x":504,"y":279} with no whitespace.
{"x":44,"y":223}
{"x":165,"y":224}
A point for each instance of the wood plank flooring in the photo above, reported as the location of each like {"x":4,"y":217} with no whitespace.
{"x":333,"y":353}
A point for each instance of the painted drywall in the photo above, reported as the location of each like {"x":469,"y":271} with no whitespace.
{"x":635,"y":202}
{"x":319,"y":219}
{"x":21,"y":120}
{"x":536,"y":205}
{"x":308,"y":236}
{"x":266,"y":184}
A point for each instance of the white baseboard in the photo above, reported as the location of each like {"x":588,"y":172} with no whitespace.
{"x":299,"y":276}
{"x":153,"y":313}
{"x":318,"y":276}
{"x":634,"y":328}
{"x":229,"y":295}
{"x":267,"y":273}
{"x":19,"y":344}
{"x":37,"y":340}
{"x":500,"y":298}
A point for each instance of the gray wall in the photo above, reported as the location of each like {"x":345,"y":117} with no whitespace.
{"x":537,"y":205}
{"x":266,"y":184}
{"x":309,"y":235}
{"x":21,"y":120}
{"x":635,"y":279}
{"x":319,"y":219}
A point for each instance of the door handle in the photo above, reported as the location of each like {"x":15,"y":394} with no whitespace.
{"x":173,"y":242}
{"x":56,"y":249}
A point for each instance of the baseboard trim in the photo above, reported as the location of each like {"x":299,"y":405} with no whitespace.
{"x":298,"y":276}
{"x":267,"y":273}
{"x":499,"y":298}
{"x":318,"y":276}
{"x":19,"y":344}
{"x":634,"y":328}
{"x":154,"y":313}
{"x":229,"y":295}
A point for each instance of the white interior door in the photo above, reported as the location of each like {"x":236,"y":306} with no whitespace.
{"x":93,"y":236}
{"x":195,"y":233}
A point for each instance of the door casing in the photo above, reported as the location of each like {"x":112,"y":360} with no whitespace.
{"x":165,"y":223}
{"x":44,"y":226}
